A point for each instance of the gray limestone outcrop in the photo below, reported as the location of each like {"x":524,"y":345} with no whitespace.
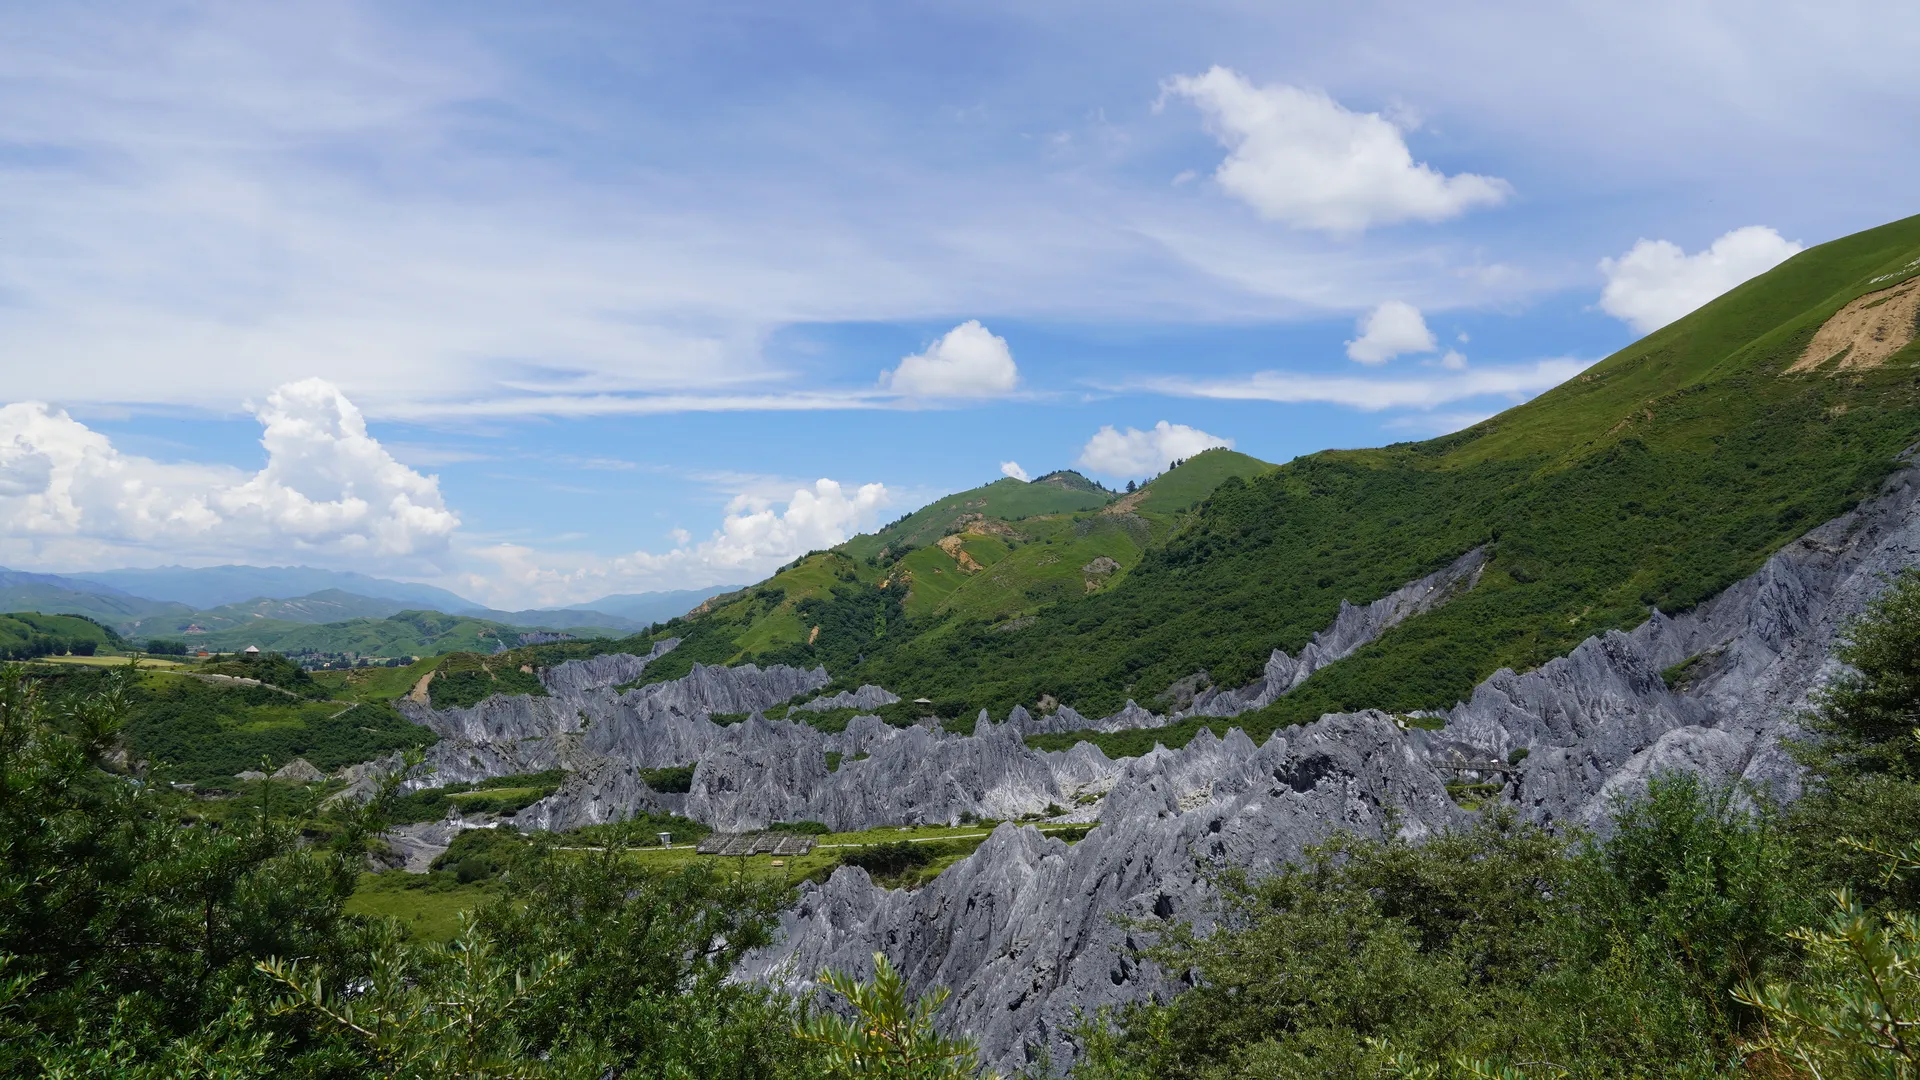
{"x":867,"y":697}
{"x":751,"y":774}
{"x":299,"y":769}
{"x":772,"y":770}
{"x":1598,"y":722}
{"x":1025,"y":930}
{"x":603,"y":791}
{"x":1028,"y":929}
{"x":584,"y":718}
{"x":1352,"y":628}
{"x":575,"y":677}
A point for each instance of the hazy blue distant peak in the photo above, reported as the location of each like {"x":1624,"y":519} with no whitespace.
{"x":21,"y":578}
{"x":651,"y":607}
{"x":217,"y":586}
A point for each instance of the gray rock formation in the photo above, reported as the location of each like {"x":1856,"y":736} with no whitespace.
{"x":752,"y":774}
{"x":1602,"y":719}
{"x":585,"y":721}
{"x":770,"y":770}
{"x":603,"y":791}
{"x":575,"y":677}
{"x":299,"y":769}
{"x":417,"y":845}
{"x":1024,"y":930}
{"x":867,"y":697}
{"x":1353,"y":628}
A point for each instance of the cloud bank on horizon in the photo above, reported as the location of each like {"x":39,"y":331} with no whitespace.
{"x":331,"y":494}
{"x":328,"y":490}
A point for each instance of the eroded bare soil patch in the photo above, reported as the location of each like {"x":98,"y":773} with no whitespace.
{"x":1864,"y":333}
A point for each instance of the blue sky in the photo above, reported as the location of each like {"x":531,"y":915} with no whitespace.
{"x":542,"y":303}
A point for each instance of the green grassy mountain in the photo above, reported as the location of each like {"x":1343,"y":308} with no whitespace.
{"x":407,"y":633}
{"x":1004,"y":500}
{"x":27,"y":634}
{"x":994,"y":555}
{"x":335,"y":606}
{"x":1654,"y":479}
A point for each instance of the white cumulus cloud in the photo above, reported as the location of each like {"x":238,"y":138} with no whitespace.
{"x":817,"y":517}
{"x":970,"y":361}
{"x":1299,"y":157}
{"x":1013,"y":469}
{"x":328,"y":488}
{"x":1515,"y":382}
{"x":1392,"y":329}
{"x":753,"y":539}
{"x":1141,"y":453}
{"x":1656,"y":282}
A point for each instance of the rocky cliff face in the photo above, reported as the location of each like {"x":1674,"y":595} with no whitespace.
{"x":1024,"y":931}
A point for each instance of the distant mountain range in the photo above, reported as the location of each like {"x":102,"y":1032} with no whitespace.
{"x":652,"y":607}
{"x":220,"y":601}
{"x":206,"y":587}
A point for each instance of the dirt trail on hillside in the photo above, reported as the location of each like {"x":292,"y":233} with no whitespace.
{"x":419,"y":691}
{"x":1866,"y":331}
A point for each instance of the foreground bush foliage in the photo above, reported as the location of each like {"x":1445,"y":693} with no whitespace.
{"x":1499,"y":942}
{"x":1706,"y":934}
{"x":139,"y":939}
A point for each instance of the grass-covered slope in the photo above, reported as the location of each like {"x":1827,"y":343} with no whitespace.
{"x":994,"y":555}
{"x":206,"y":730}
{"x":1184,"y":486}
{"x":1007,"y":500}
{"x":1657,"y":478}
{"x":408,"y":633}
{"x":28,"y":634}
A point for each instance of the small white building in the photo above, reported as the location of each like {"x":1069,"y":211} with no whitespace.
{"x":251,"y":650}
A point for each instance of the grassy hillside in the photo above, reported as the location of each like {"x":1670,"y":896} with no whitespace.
{"x":993,"y":555}
{"x":28,"y":634}
{"x":1194,"y":479}
{"x":408,"y":633}
{"x":1007,"y":500}
{"x":1656,"y":478}
{"x":203,"y":730}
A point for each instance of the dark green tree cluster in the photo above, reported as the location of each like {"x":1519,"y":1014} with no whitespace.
{"x":40,"y":645}
{"x":140,"y":940}
{"x":271,"y":668}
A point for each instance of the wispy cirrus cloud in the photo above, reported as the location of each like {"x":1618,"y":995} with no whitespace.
{"x":582,"y":405}
{"x":1373,"y":394}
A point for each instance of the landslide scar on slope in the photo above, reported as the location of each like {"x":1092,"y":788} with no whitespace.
{"x":966,"y":562}
{"x":1864,"y":333}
